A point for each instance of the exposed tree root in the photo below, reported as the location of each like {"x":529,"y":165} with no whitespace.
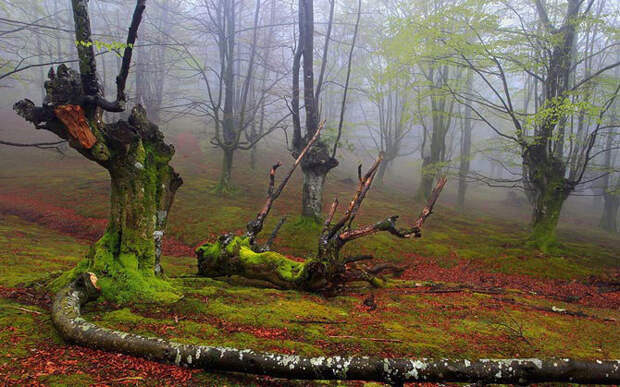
{"x":66,"y":318}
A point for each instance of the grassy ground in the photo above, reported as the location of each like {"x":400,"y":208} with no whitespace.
{"x":472,"y":289}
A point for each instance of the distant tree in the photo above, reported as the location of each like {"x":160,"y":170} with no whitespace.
{"x":555,"y":155}
{"x":465,"y":148}
{"x":395,"y":122}
{"x":413,"y":50}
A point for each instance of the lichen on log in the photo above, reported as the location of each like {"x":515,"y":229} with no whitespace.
{"x":66,"y":317}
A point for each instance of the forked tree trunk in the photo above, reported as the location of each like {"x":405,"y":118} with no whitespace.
{"x":143,"y":185}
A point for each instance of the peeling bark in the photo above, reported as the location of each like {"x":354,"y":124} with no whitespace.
{"x":66,"y":317}
{"x":75,"y":120}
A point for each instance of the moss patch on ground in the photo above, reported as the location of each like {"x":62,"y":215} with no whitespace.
{"x":230,"y":312}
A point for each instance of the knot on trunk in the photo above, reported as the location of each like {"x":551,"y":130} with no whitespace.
{"x":63,"y":87}
{"x":318,"y":159}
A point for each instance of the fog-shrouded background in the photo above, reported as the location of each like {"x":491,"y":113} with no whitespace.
{"x":441,"y":87}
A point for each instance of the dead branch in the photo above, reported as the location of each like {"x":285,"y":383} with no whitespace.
{"x":360,"y":194}
{"x":66,"y":317}
{"x":255,"y":226}
{"x":274,"y":233}
{"x":389,"y":224}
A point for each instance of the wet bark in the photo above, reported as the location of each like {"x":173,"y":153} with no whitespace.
{"x":544,"y":167}
{"x":225,"y":183}
{"x":547,"y":189}
{"x":66,"y":317}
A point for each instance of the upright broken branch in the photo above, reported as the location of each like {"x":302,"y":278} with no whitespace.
{"x":255,"y":226}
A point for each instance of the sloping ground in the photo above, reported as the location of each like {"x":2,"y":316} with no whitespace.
{"x":408,"y":319}
{"x":472,"y":289}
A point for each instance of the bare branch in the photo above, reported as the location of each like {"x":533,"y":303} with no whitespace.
{"x":255,"y":226}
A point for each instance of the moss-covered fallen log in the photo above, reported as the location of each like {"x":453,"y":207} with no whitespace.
{"x":328,"y":271}
{"x":66,"y":318}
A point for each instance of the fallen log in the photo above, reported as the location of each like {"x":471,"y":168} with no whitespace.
{"x":67,"y":319}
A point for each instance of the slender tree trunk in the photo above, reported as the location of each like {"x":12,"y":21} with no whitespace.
{"x":318,"y":162}
{"x":610,"y":212}
{"x":465,"y":149}
{"x":225,"y":184}
{"x":381,"y":172}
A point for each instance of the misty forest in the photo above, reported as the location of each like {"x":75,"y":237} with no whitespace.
{"x":309,"y":192}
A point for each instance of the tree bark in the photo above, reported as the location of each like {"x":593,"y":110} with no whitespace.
{"x":317,"y":164}
{"x":312,"y":195}
{"x":225,"y":184}
{"x":547,"y":190}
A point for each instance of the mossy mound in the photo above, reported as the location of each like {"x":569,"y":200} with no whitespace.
{"x":121,"y":276}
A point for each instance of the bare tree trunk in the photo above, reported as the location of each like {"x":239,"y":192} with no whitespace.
{"x":318,"y":162}
{"x":465,"y":148}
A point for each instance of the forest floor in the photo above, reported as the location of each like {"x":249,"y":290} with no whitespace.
{"x":472,"y":287}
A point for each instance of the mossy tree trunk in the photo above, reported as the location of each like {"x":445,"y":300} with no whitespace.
{"x":143,"y":185}
{"x":547,"y":190}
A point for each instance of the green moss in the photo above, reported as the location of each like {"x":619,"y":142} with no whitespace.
{"x":67,"y":380}
{"x":122,"y":278}
{"x":214,"y":260}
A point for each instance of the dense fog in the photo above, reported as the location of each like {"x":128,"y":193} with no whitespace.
{"x":506,"y":98}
